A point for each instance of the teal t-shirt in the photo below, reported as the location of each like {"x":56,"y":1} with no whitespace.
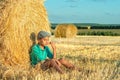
{"x":38,"y":54}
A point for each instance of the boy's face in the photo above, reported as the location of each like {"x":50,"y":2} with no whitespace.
{"x":44,"y":41}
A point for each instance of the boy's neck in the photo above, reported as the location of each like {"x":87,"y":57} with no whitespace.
{"x":41,"y":46}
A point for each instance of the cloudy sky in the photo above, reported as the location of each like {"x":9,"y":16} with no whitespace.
{"x":84,"y":11}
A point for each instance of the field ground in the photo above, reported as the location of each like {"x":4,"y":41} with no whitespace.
{"x":98,"y":57}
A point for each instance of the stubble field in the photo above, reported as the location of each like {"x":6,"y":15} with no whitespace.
{"x":98,"y":57}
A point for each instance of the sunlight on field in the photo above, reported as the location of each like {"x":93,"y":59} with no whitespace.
{"x":97,"y":57}
{"x":98,"y":54}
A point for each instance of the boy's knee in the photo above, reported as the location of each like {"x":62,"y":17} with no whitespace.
{"x":55,"y":62}
{"x":52,"y":61}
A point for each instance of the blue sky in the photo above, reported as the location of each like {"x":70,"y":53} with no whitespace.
{"x":83,"y":11}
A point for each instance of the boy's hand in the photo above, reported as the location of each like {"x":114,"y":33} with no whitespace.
{"x":53,"y":45}
{"x":54,"y":49}
{"x":58,"y":63}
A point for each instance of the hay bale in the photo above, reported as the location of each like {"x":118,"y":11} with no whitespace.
{"x":20,"y":19}
{"x":65,"y":30}
{"x":9,"y":75}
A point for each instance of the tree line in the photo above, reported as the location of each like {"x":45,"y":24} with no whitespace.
{"x":99,"y":27}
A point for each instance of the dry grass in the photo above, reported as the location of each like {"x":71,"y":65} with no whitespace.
{"x":21,"y":20}
{"x":98,"y":58}
{"x":66,"y":30}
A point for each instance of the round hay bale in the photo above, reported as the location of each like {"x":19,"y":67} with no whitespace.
{"x":65,"y":31}
{"x":9,"y":74}
{"x":20,"y":20}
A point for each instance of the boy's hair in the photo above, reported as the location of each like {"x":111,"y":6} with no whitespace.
{"x":43,"y":34}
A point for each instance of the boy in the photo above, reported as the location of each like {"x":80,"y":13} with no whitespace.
{"x":41,"y":51}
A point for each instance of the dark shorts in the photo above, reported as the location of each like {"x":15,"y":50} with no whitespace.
{"x":46,"y":64}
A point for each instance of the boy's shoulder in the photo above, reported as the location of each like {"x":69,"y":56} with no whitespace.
{"x":36,"y":46}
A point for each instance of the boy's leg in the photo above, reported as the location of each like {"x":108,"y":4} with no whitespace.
{"x":52,"y":63}
{"x":45,"y":65}
{"x":66,"y":63}
{"x":56,"y":66}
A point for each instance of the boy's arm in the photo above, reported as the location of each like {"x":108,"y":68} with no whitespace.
{"x":54,"y":49}
{"x":36,"y":54}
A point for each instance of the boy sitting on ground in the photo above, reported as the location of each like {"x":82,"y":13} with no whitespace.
{"x":41,"y":51}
